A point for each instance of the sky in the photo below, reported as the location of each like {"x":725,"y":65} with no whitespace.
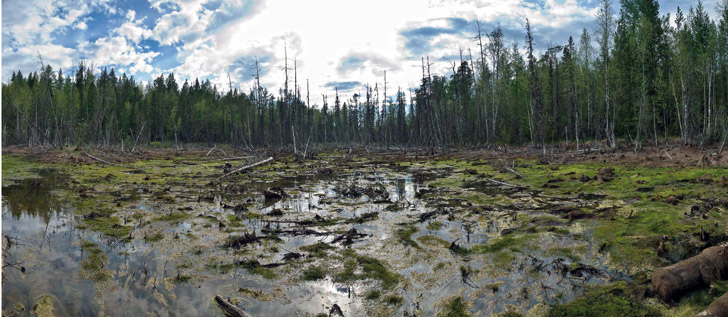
{"x":332,"y":43}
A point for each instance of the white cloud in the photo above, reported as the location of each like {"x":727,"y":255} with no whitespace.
{"x":118,"y":50}
{"x":132,"y":29}
{"x":81,"y":25}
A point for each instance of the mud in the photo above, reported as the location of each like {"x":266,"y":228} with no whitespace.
{"x":355,"y":236}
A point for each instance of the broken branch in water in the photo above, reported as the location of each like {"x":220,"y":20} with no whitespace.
{"x":246,"y":167}
{"x":229,"y":309}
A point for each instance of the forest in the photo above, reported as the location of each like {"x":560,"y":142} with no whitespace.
{"x":585,"y":179}
{"x":638,"y":77}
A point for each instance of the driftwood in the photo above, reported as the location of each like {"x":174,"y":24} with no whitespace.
{"x":501,"y":183}
{"x":103,"y":161}
{"x":718,"y":307}
{"x":245,"y":168}
{"x":229,"y":309}
{"x":707,"y":267}
{"x":514,"y":172}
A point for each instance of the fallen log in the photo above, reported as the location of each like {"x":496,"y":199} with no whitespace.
{"x":103,"y":161}
{"x":245,"y":168}
{"x":707,"y":267}
{"x":718,"y":307}
{"x":497,"y":182}
{"x":229,"y":309}
{"x":514,"y":172}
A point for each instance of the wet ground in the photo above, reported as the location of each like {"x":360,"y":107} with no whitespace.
{"x":362,"y":236}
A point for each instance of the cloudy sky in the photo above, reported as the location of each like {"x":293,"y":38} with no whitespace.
{"x":334,"y":43}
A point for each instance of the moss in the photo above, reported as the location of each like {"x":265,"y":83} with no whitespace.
{"x":513,"y":243}
{"x":174,"y":217}
{"x":511,"y":313}
{"x":372,"y":295}
{"x":234,"y":221}
{"x":394,"y":300}
{"x":371,"y":269}
{"x":434,"y":226}
{"x":43,"y":307}
{"x":253,"y":266}
{"x":317,"y":250}
{"x":375,"y":269}
{"x":93,"y":266}
{"x":432,"y":240}
{"x":618,"y":299}
{"x":493,"y":287}
{"x":565,"y":253}
{"x":108,"y":225}
{"x":182,"y":278}
{"x":157,"y":236}
{"x":405,"y":236}
{"x":313,"y":273}
{"x":349,"y":272}
{"x":220,"y":267}
{"x":455,"y":307}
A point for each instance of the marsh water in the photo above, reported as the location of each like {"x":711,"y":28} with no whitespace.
{"x":422,"y":234}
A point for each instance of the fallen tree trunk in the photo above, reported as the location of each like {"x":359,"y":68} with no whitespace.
{"x":229,"y":309}
{"x":707,"y":267}
{"x":245,"y":168}
{"x":718,"y":307}
{"x":102,"y":161}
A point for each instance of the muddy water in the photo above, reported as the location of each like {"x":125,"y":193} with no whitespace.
{"x":181,"y":273}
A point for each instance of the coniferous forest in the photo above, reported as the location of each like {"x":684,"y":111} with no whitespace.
{"x":637,"y":77}
{"x":583,"y":177}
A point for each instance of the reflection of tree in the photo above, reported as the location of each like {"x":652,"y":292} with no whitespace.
{"x":34,"y":196}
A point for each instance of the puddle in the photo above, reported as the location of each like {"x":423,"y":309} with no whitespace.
{"x":176,"y":261}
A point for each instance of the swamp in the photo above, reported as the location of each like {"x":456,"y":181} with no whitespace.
{"x":353,"y":233}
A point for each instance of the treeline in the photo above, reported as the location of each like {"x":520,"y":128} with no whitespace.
{"x":638,"y":77}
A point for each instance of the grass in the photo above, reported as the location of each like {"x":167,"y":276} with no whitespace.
{"x":371,"y":268}
{"x":254,"y":267}
{"x":157,"y":236}
{"x":93,"y":266}
{"x":108,"y":225}
{"x":511,"y":242}
{"x":317,"y":250}
{"x":565,"y":252}
{"x":405,"y":236}
{"x":431,"y":240}
{"x":313,"y":273}
{"x":434,"y":226}
{"x":372,"y":295}
{"x":455,"y":307}
{"x":394,"y":300}
{"x":174,"y":217}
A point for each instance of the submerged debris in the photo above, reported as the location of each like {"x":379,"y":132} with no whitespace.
{"x":349,"y":237}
